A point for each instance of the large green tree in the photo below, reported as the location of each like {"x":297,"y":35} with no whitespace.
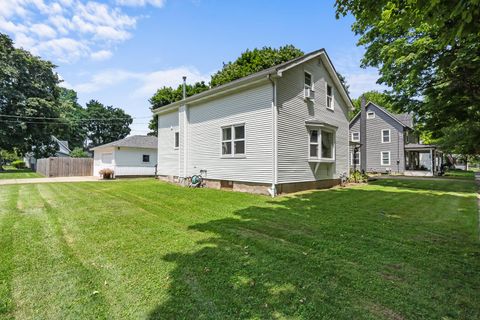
{"x":105,"y":123}
{"x":73,"y":115}
{"x":428,"y":53}
{"x":28,"y":91}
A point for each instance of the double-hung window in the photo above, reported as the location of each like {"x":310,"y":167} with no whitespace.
{"x":386,"y":136}
{"x":385,"y":158}
{"x":355,"y":158}
{"x":233,"y":140}
{"x":308,"y":80}
{"x":355,"y":136}
{"x":330,"y":97}
{"x":321,"y":145}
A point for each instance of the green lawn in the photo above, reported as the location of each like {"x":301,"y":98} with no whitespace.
{"x":460,"y":174}
{"x":395,"y":249}
{"x":12,"y":173}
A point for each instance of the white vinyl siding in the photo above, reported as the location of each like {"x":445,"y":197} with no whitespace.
{"x":293,"y":134}
{"x":251,"y":107}
{"x":125,"y":161}
{"x":168,"y":151}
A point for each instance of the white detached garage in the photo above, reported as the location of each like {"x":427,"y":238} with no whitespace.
{"x":131,"y":156}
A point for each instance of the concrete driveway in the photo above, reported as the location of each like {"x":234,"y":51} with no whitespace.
{"x":48,"y":180}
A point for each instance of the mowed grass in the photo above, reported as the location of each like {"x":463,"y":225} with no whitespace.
{"x":460,"y":174}
{"x":12,"y":173}
{"x":403,"y":249}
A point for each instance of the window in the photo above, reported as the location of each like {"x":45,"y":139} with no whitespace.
{"x":308,"y":80}
{"x":385,"y":158}
{"x":386,"y":136}
{"x":355,"y":136}
{"x":146,"y":158}
{"x":370,"y":115}
{"x":177,"y":140}
{"x":329,"y":97}
{"x":355,"y":158}
{"x":233,"y":140}
{"x":321,"y":144}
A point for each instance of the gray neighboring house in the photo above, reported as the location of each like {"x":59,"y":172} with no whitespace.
{"x":279,"y":130}
{"x":388,"y":144}
{"x":62,"y":151}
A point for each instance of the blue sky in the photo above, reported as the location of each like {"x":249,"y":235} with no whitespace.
{"x":120,"y":51}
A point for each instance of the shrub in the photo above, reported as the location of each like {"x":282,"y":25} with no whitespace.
{"x":78,"y":153}
{"x":357,"y":177}
{"x":19,"y":164}
{"x":106,"y":173}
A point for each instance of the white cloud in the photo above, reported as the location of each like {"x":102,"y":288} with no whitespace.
{"x":43,"y":31}
{"x":143,"y":84}
{"x":90,"y":26}
{"x":101,"y":55}
{"x":141,"y":3}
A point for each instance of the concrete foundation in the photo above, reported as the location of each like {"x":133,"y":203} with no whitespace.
{"x":261,"y":188}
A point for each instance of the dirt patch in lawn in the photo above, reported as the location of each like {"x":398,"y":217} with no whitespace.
{"x":384,"y":312}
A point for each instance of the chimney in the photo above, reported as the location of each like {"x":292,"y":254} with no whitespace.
{"x":363,"y":136}
{"x":184,"y":87}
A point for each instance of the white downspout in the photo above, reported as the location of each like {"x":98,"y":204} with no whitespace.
{"x":185,"y":129}
{"x":273,"y":189}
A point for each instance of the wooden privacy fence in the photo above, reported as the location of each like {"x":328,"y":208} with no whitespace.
{"x":65,"y":167}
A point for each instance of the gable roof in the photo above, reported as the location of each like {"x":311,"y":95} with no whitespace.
{"x":261,"y":75}
{"x":62,"y":145}
{"x":137,"y":141}
{"x":404,"y":119}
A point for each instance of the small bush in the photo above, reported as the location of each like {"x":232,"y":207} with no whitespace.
{"x":357,"y":177}
{"x":106,"y":173}
{"x":19,"y":164}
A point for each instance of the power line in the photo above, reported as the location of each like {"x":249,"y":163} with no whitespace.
{"x":50,"y":122}
{"x":59,"y":118}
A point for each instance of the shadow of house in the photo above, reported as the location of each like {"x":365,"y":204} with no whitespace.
{"x":319,"y":255}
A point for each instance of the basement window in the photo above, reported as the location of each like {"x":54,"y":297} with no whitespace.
{"x":146,"y":158}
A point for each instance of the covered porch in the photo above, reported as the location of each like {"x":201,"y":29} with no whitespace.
{"x":422,"y":160}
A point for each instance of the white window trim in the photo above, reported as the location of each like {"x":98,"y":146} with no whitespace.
{"x":232,"y":140}
{"x":319,"y":145}
{"x":332,"y":107}
{"x":381,"y":158}
{"x":356,"y":140}
{"x":389,"y":136}
{"x":312,"y":87}
{"x":175,"y":138}
{"x":372,"y":112}
{"x":351,"y":158}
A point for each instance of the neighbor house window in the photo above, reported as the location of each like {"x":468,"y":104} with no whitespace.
{"x":177,"y":140}
{"x":385,"y":158}
{"x":321,"y":144}
{"x":355,"y":136}
{"x":370,"y":115}
{"x":386,"y":136}
{"x":355,"y":158}
{"x":308,"y":80}
{"x":146,"y":158}
{"x":329,"y":97}
{"x":233,"y":140}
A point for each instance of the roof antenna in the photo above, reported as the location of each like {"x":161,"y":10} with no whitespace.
{"x":184,"y":87}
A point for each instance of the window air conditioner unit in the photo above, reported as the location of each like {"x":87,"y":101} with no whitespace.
{"x":309,"y":94}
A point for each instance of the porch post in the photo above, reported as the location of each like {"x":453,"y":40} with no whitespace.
{"x":433,"y":161}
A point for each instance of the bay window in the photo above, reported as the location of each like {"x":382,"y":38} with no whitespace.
{"x":321,"y":144}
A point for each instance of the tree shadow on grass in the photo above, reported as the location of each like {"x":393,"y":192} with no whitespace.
{"x":342,"y":253}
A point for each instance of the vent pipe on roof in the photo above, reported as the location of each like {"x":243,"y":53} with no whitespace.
{"x":184,"y":87}
{"x":363,"y":135}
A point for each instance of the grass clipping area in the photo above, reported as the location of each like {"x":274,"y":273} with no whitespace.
{"x":400,"y":249}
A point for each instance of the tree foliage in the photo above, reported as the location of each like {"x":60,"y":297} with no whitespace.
{"x":73,"y":114}
{"x":252,"y":61}
{"x":249,"y":62}
{"x":428,"y":52}
{"x":379,"y":98}
{"x":78,"y":153}
{"x":106,"y":123}
{"x":28,"y":89}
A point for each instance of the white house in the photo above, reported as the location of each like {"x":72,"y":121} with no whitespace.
{"x":132,"y":156}
{"x":280,"y":130}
